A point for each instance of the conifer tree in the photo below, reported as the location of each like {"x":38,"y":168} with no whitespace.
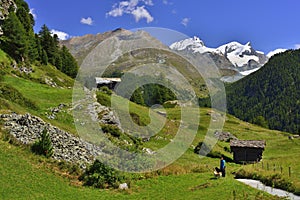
{"x":14,"y":41}
{"x":44,"y":145}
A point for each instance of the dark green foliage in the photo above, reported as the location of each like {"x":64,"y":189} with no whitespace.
{"x":270,"y":96}
{"x":101,"y":176}
{"x":44,"y":145}
{"x":103,"y":99}
{"x":260,"y":121}
{"x":68,"y":62}
{"x":14,"y":41}
{"x":151,"y":94}
{"x":105,"y":90}
{"x":11,"y":94}
{"x":137,"y":97}
{"x":20,"y":42}
{"x":113,"y":130}
{"x":49,"y":44}
{"x":147,"y":94}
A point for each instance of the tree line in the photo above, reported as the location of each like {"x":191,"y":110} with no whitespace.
{"x":21,"y":43}
{"x":270,"y":97}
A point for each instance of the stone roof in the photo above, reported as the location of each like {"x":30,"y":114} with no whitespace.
{"x":100,"y":80}
{"x":248,"y":143}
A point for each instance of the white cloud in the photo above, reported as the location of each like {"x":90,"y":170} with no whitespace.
{"x":272,"y":53}
{"x":185,"y":21}
{"x":87,"y":21}
{"x":61,"y":35}
{"x":137,"y":8}
{"x":140,"y":13}
{"x":31,"y":11}
{"x":297,"y":46}
{"x":167,"y":2}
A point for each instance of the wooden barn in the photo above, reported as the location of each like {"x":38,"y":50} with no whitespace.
{"x":109,"y":82}
{"x":247,"y":151}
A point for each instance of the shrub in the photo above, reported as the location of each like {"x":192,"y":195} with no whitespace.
{"x":105,"y":90}
{"x":113,"y":130}
{"x":103,"y":99}
{"x":43,"y":146}
{"x":100,"y":175}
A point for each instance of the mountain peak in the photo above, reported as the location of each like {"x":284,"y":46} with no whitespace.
{"x":194,"y":42}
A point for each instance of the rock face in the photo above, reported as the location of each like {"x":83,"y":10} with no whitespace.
{"x":27,"y":129}
{"x":4,"y":7}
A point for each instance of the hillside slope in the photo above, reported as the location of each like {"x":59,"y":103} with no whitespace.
{"x":271,"y":93}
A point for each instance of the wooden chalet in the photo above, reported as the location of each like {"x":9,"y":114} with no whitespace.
{"x":247,"y":151}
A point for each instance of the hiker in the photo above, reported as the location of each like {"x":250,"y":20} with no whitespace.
{"x":222,"y":166}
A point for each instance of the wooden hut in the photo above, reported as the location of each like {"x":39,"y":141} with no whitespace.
{"x":247,"y":151}
{"x":109,"y":82}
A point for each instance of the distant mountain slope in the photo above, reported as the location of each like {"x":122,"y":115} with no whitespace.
{"x":271,"y":94}
{"x":81,"y":46}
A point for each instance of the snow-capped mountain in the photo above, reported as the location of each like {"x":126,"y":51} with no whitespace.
{"x":194,"y":44}
{"x":241,"y":55}
{"x":242,"y":58}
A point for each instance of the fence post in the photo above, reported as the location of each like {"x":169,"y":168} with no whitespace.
{"x":290,"y":172}
{"x":281,"y":169}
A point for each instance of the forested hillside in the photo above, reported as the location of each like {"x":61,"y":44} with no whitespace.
{"x":26,"y":47}
{"x":271,"y":96}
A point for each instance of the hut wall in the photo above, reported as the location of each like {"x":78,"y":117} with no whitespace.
{"x":246,"y":154}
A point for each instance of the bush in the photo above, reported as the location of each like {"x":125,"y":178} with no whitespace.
{"x":105,"y":90}
{"x":113,"y":130}
{"x":101,"y":176}
{"x":103,"y":99}
{"x":43,"y":146}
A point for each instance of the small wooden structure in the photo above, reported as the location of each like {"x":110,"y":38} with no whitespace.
{"x":109,"y":82}
{"x":247,"y":151}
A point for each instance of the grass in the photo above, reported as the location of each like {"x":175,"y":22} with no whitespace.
{"x":45,"y":98}
{"x":24,"y":176}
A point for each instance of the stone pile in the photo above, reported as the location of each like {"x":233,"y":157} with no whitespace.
{"x":27,"y":129}
{"x":225,"y":136}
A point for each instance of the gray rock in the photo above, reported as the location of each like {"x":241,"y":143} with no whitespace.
{"x":28,"y":128}
{"x":123,"y":186}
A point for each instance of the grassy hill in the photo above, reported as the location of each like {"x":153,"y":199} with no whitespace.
{"x":27,"y":176}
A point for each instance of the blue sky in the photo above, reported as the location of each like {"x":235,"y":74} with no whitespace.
{"x":267,"y":24}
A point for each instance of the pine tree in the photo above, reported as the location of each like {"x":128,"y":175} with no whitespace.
{"x":48,"y":43}
{"x":14,"y":41}
{"x":44,"y":145}
{"x":69,"y":64}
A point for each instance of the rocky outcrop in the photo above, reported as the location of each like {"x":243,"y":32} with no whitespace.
{"x":4,"y":10}
{"x":224,"y":136}
{"x":28,"y":128}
